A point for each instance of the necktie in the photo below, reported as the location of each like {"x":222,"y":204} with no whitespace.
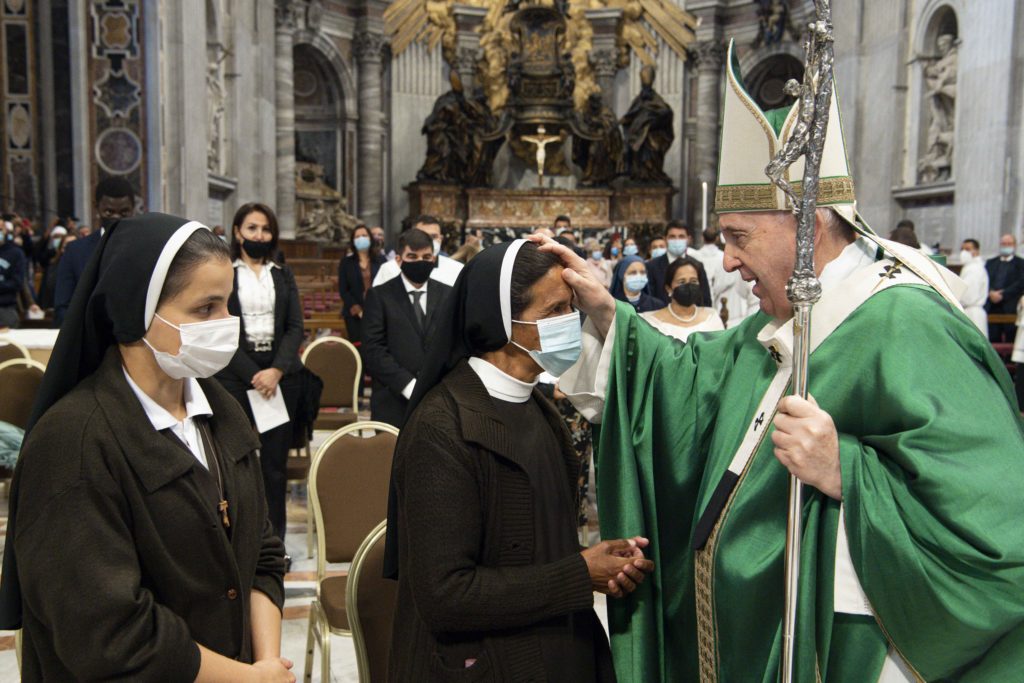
{"x":421,"y":316}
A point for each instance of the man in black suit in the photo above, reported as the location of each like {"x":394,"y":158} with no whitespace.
{"x":1005,"y":285}
{"x":397,"y":319}
{"x":679,"y":238}
{"x":114,"y":199}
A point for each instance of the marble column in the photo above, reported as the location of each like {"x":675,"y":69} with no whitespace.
{"x":284,"y":101}
{"x":369,"y":49}
{"x":710,"y":55}
{"x":605,"y":63}
{"x":465,"y":64}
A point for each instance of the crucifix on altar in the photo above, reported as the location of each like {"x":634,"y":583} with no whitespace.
{"x":541,"y":140}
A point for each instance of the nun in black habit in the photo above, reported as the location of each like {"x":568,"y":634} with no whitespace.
{"x":492,"y":582}
{"x":138,"y":546}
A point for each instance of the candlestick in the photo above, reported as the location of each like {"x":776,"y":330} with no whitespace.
{"x":704,"y":205}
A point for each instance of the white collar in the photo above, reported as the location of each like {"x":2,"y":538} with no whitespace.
{"x":239,"y":263}
{"x":499,"y":384}
{"x":410,"y":287}
{"x":856,"y":255}
{"x":195,"y":404}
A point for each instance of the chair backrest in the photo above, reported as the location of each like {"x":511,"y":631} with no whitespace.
{"x":370,"y":601}
{"x":338,"y":363}
{"x":19,"y":383}
{"x":348,"y":488}
{"x":11,"y":350}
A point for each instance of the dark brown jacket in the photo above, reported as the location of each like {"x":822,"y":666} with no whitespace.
{"x":467,"y":581}
{"x":124,"y":564}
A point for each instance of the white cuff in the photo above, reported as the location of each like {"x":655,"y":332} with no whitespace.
{"x":407,"y":392}
{"x":586,"y":382}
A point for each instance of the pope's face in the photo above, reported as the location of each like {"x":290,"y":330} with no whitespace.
{"x":762,"y":247}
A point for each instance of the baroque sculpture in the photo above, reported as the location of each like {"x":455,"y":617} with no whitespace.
{"x":648,"y":134}
{"x":940,"y":94}
{"x":599,"y":158}
{"x":458,"y":149}
{"x":448,"y":140}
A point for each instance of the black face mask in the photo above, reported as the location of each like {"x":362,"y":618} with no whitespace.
{"x":417,"y":271}
{"x":256,"y":250}
{"x":686,"y":294}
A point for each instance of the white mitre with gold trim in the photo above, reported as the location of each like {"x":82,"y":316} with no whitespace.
{"x":751,"y":138}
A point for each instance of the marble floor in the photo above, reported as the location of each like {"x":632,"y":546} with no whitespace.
{"x":300,"y":588}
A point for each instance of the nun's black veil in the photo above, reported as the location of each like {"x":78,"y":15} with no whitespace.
{"x":108,"y":307}
{"x":470,"y":323}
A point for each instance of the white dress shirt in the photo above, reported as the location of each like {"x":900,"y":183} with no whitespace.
{"x":409,"y":289}
{"x":186,"y":430}
{"x":256,"y":297}
{"x":447,"y":271}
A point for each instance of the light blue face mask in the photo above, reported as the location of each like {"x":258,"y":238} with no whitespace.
{"x":658,"y":252}
{"x":361,"y":243}
{"x":1006,"y":251}
{"x":636,"y":283}
{"x":561,"y":342}
{"x":677,"y":247}
{"x":629,"y":250}
{"x":596,"y":255}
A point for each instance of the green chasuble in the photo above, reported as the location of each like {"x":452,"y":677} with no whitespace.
{"x":932,"y":456}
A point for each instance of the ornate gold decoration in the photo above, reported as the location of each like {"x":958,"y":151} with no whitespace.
{"x":433,"y":22}
{"x":763,"y":197}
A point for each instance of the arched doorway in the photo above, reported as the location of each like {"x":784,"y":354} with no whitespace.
{"x":323,"y":177}
{"x":319,"y":115}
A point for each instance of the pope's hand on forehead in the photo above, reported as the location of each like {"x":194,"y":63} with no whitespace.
{"x":592,"y":297}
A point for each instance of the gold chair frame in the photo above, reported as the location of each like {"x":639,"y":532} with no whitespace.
{"x":320,"y":631}
{"x":310,"y":522}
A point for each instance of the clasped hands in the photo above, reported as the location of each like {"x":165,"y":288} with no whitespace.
{"x":807,"y":444}
{"x":618,"y":567}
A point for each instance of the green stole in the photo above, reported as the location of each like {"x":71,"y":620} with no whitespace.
{"x":932,"y":455}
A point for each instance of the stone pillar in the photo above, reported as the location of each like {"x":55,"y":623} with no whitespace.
{"x":465,"y":64}
{"x":710,"y":54}
{"x":368,"y":49}
{"x":284,"y":101}
{"x":605,"y":63}
{"x":604,"y":55}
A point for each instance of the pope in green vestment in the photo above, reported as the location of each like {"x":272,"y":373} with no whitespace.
{"x":915,"y":569}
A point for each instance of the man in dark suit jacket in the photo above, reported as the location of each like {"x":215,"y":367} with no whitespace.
{"x":1005,"y":285}
{"x":115,"y":199}
{"x":397,"y":319}
{"x":680,"y":243}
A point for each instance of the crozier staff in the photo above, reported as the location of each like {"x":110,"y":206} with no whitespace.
{"x":138,"y":545}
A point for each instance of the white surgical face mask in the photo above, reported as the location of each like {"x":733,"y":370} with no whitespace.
{"x":437,"y":247}
{"x":206,"y":348}
{"x":658,"y":252}
{"x":561,"y":342}
{"x":965,"y":256}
